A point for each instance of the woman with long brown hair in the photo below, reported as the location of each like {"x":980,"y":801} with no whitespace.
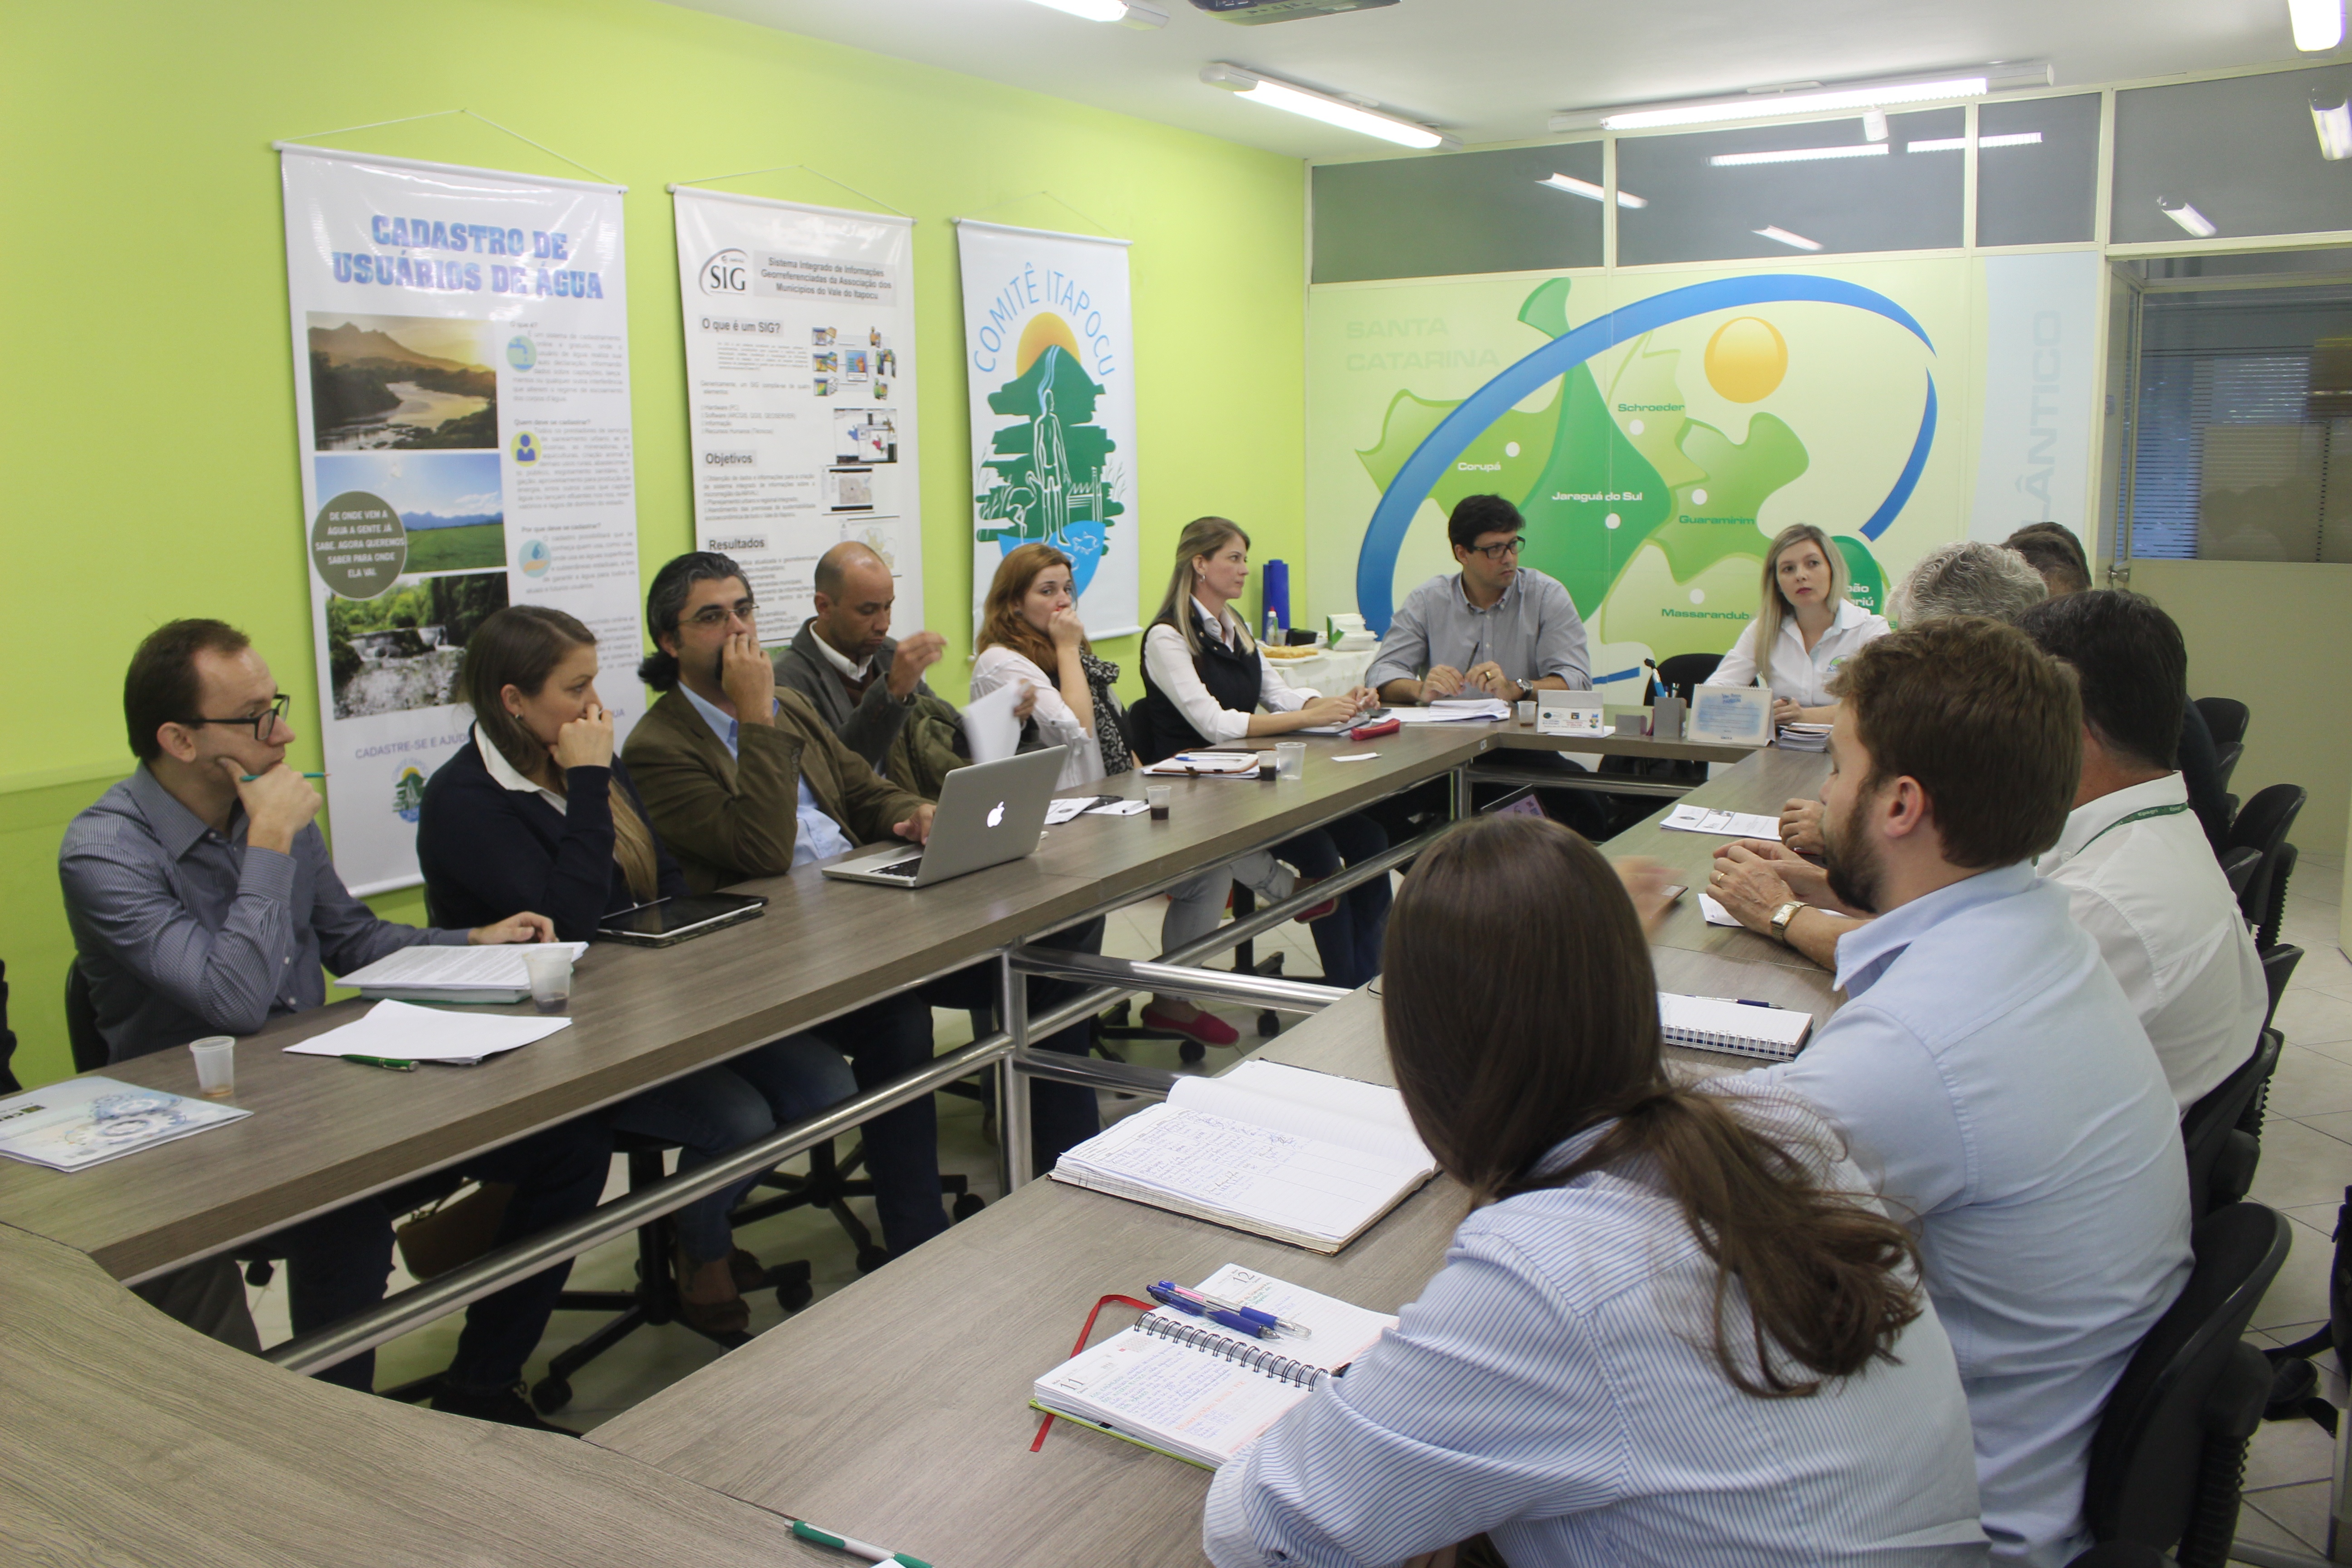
{"x":535,"y":812}
{"x":1674,"y":1328}
{"x":1029,"y":625}
{"x":1805,"y":628}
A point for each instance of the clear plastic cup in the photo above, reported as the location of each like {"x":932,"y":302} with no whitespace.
{"x":1528,"y":712}
{"x":550,"y":968}
{"x":215,"y":1066}
{"x":1290,"y":761}
{"x":1156,"y":797}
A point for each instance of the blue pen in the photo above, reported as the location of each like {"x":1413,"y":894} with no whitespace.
{"x":1241,"y":1320}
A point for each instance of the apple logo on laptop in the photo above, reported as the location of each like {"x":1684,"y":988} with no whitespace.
{"x":996,"y":813}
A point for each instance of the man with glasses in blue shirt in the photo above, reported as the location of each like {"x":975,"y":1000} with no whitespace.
{"x":202,"y":901}
{"x":1494,"y":626}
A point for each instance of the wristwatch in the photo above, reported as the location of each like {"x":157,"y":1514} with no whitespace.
{"x":1781,"y":918}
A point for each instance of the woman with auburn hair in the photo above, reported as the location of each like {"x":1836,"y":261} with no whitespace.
{"x":538,"y":814}
{"x":1206,"y":685}
{"x":1675,"y":1329}
{"x":1029,"y":625}
{"x":1805,"y":627}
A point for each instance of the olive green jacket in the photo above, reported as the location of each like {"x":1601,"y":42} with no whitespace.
{"x":727,"y":819}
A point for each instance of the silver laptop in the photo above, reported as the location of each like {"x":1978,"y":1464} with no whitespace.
{"x":989,"y":813}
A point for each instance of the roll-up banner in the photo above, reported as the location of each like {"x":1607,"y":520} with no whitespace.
{"x":800,"y":374}
{"x":461,"y":380}
{"x":1049,"y":355}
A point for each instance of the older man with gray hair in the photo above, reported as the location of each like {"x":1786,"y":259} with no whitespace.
{"x":1969,"y":578}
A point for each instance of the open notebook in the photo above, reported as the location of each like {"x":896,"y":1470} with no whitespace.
{"x":1303,"y":1157}
{"x":1188,"y":1388}
{"x":428,"y":974}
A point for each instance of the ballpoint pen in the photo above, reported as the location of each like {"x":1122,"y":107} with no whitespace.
{"x":1249,"y":1320}
{"x":854,"y":1547}
{"x":392,"y":1063}
{"x":251,"y":777}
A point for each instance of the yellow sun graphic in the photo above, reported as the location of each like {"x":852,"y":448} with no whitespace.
{"x":1746,"y":359}
{"x":1044,"y":331}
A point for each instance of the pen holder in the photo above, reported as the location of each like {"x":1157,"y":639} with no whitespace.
{"x":1666,"y":718}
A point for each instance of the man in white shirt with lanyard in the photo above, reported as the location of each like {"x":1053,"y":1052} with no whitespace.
{"x":2138,"y":873}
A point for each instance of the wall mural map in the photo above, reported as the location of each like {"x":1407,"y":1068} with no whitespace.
{"x":1053,"y":476}
{"x":1630,"y":499}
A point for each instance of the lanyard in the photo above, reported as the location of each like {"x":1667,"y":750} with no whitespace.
{"x":2137,"y":816}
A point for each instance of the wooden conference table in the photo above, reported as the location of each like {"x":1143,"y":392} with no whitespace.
{"x":325,"y":1132}
{"x":898,"y":1408}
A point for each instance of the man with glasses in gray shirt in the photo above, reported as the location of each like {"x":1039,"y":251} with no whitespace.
{"x":1494,"y":626}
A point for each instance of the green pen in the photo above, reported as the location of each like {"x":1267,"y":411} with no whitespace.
{"x":250,"y":777}
{"x":854,"y":1547}
{"x":392,"y":1063}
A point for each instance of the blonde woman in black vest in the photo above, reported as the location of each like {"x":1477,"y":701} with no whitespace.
{"x":1205,"y":685}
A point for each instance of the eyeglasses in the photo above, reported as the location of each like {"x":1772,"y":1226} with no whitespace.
{"x":263,"y":724}
{"x":1497,"y":551}
{"x":711,"y":617}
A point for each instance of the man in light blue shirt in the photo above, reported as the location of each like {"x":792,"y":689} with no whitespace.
{"x":1493,"y":628}
{"x":1987,"y":1066}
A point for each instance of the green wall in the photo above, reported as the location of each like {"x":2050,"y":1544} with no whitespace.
{"x":148,"y":458}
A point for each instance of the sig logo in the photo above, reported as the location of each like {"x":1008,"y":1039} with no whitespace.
{"x":996,"y":813}
{"x":729,"y":272}
{"x":407,"y":792}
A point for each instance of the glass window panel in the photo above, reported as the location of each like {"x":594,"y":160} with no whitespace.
{"x":1470,"y":212}
{"x":2037,"y":191}
{"x":2242,"y":154}
{"x":2244,"y":445}
{"x":1710,"y":193}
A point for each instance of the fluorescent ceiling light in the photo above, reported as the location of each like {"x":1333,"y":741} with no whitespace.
{"x":1587,"y":189}
{"x":1799,"y":155}
{"x":1773,"y":231}
{"x":1960,"y":143}
{"x":1772,"y":105}
{"x":1132,"y":12}
{"x":1318,"y":106}
{"x":2187,"y":217}
{"x":2318,"y":23}
{"x":2331,"y":116}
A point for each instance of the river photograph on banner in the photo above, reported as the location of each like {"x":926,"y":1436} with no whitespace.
{"x":801,"y":361}
{"x":460,"y":357}
{"x":1050,"y":364}
{"x":1656,"y":429}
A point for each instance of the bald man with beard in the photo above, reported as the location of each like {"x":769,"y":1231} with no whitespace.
{"x":843,"y":660}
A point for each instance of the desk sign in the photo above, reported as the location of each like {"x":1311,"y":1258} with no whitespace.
{"x":1569,"y":718}
{"x":1733,"y":715}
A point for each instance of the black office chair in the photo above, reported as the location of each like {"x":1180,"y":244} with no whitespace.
{"x":2272,"y":920}
{"x":2263,"y":825}
{"x":2226,"y":719}
{"x":2170,"y":1451}
{"x":2222,"y":1133}
{"x":2239,"y":866}
{"x":2278,"y":968}
{"x":1685,"y":671}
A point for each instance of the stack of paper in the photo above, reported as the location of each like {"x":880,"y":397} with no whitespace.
{"x":423,"y":973}
{"x":1208,"y":765}
{"x":1804,"y":738}
{"x":86,"y":1122}
{"x":1455,"y":711}
{"x":396,"y":1031}
{"x":1730,"y":823}
{"x":1304,"y":1157}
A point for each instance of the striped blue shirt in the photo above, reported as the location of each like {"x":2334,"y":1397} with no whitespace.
{"x":1556,"y":1387}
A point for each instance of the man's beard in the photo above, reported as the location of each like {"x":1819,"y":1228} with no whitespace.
{"x":1854,"y":869}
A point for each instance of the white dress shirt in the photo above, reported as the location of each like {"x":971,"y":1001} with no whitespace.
{"x":1990,"y":1072}
{"x":1800,"y":674}
{"x":2143,"y":881}
{"x":1556,"y":1387}
{"x":840,"y":661}
{"x":1169,"y":662}
{"x":1057,"y":722}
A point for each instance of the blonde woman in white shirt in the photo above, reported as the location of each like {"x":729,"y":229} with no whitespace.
{"x":1805,"y":628}
{"x":1031,"y":635}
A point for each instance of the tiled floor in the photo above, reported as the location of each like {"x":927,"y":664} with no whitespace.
{"x":2307,"y":1166}
{"x":652,"y":1358}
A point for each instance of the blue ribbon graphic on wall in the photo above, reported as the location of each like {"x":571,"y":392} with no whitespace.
{"x":1384,"y":535}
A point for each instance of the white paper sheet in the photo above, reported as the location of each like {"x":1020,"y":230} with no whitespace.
{"x":989,"y":726}
{"x":453,"y":968}
{"x":1730,"y":823}
{"x":401,"y":1031}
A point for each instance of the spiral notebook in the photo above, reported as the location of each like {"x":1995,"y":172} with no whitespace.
{"x":1743,"y":1028}
{"x":1188,"y":1388}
